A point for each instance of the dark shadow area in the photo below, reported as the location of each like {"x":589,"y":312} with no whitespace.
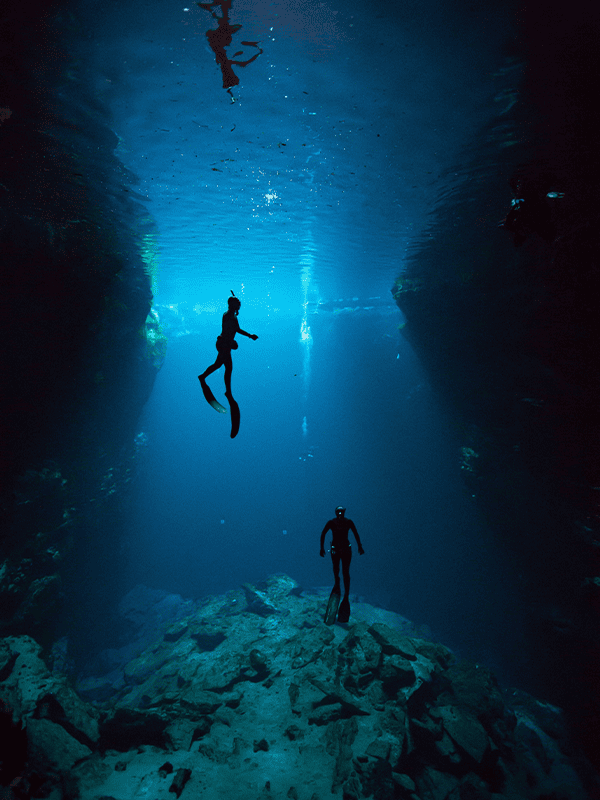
{"x":508,"y":329}
{"x":79,"y":351}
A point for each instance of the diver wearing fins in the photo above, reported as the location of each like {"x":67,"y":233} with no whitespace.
{"x":226,"y":343}
{"x":341,"y":551}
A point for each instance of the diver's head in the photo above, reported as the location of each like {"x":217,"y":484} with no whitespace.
{"x":234,"y":304}
{"x":340,"y":511}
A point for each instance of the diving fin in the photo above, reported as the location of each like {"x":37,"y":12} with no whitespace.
{"x":235,"y":416}
{"x":332,"y":606}
{"x":344,"y":612}
{"x":210,"y":398}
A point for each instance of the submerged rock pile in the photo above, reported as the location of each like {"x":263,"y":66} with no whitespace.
{"x":249,"y":695}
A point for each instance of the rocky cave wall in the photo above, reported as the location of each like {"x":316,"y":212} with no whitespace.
{"x":79,"y":350}
{"x":508,"y":328}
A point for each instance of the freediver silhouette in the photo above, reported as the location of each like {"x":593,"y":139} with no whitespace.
{"x":529,"y":210}
{"x":221,"y":38}
{"x":341,"y":551}
{"x":225,"y":344}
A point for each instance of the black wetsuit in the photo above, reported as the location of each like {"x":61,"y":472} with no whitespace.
{"x":226,"y":340}
{"x":341,"y":549}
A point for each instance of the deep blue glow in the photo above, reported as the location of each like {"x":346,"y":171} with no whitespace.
{"x":301,"y":197}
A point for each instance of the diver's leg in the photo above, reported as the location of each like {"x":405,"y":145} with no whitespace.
{"x":346,"y":559}
{"x":228,"y":370}
{"x":208,"y":371}
{"x":213,"y":368}
{"x":335,"y":560}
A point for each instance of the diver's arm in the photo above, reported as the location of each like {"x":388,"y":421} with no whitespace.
{"x":357,"y":537}
{"x":323,"y":534}
{"x":249,"y":335}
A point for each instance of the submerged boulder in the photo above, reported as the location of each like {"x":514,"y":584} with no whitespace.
{"x":51,"y":750}
{"x":465,"y":731}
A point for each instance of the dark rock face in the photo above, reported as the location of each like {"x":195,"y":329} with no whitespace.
{"x":79,"y":350}
{"x":510,"y":337}
{"x":251,"y":719}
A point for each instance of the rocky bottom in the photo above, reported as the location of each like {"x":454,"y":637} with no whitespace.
{"x":250,"y":696}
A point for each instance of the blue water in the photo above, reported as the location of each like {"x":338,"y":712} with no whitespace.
{"x":324,"y":167}
{"x":363,"y":430}
{"x":306,"y":190}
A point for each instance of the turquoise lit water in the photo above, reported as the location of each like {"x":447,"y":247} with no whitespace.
{"x":302,"y":196}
